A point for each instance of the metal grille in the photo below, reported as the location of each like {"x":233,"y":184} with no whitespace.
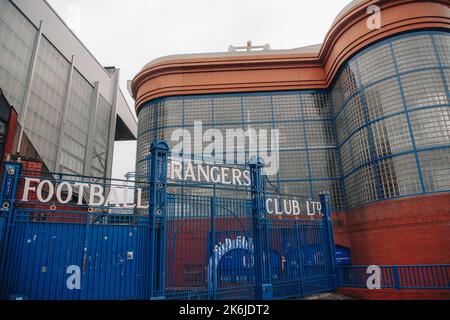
{"x":186,"y":240}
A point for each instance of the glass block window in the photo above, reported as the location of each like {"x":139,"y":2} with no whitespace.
{"x":323,"y":164}
{"x":431,"y":127}
{"x":287,"y":107}
{"x":197,"y":110}
{"x":391,"y":136}
{"x":170,"y":113}
{"x":383,"y":99}
{"x":259,"y":126}
{"x":146,"y":116}
{"x":166,"y":133}
{"x":399,"y":176}
{"x":291,"y":135}
{"x":320,"y":134}
{"x":360,"y":148}
{"x":257,"y":108}
{"x":353,"y":115}
{"x":376,"y":64}
{"x":384,"y":122}
{"x":405,"y":92}
{"x":346,"y":158}
{"x":293,"y":165}
{"x":424,"y":88}
{"x":143,"y":145}
{"x":316,"y":106}
{"x":332,"y":187}
{"x":447,"y":76}
{"x":442,"y":42}
{"x":227,"y":110}
{"x":344,"y":87}
{"x":360,"y":187}
{"x":294,"y":188}
{"x":341,"y":127}
{"x":412,"y":53}
{"x":436,"y":169}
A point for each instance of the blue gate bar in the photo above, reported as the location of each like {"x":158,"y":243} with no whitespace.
{"x":157,"y":212}
{"x":11,"y":172}
{"x":264,"y":289}
{"x":328,"y":223}
{"x":434,"y":277}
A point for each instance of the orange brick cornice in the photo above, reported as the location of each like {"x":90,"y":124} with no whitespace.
{"x":172,"y":76}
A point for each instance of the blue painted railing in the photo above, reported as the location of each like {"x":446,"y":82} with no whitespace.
{"x":398,"y":277}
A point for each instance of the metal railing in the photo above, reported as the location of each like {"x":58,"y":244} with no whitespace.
{"x":72,"y":237}
{"x":398,"y":276}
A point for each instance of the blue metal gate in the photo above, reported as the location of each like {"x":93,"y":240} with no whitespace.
{"x":222,"y":243}
{"x":166,"y":240}
{"x":69,"y":251}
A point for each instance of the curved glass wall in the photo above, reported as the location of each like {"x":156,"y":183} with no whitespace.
{"x":392,"y":115}
{"x":308,"y":153}
{"x":381,"y":131}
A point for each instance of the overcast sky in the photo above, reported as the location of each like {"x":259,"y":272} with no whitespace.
{"x":130,"y":33}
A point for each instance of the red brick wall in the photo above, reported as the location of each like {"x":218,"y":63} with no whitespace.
{"x":32,"y":166}
{"x":11,"y":133}
{"x":33,"y":169}
{"x":341,"y":235}
{"x":412,"y":230}
{"x":392,"y":294}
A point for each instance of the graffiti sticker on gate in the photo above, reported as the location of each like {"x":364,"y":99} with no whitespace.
{"x":228,"y":246}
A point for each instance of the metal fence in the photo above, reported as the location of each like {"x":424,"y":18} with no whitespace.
{"x":73,"y":237}
{"x":398,"y":277}
{"x":59,"y":246}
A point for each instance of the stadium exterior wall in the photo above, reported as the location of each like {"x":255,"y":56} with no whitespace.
{"x":383,"y":222}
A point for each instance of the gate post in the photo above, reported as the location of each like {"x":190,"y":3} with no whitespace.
{"x":328,"y":224}
{"x":264,"y":290}
{"x":7,"y":196}
{"x":211,"y":250}
{"x":9,"y":182}
{"x":157,"y":212}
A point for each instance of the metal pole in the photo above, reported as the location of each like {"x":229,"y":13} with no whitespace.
{"x":157,"y":211}
{"x":11,"y":172}
{"x":328,"y":223}
{"x":212,"y":246}
{"x":300,"y":258}
{"x":264,"y":290}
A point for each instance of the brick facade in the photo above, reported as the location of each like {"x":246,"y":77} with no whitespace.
{"x":412,"y":230}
